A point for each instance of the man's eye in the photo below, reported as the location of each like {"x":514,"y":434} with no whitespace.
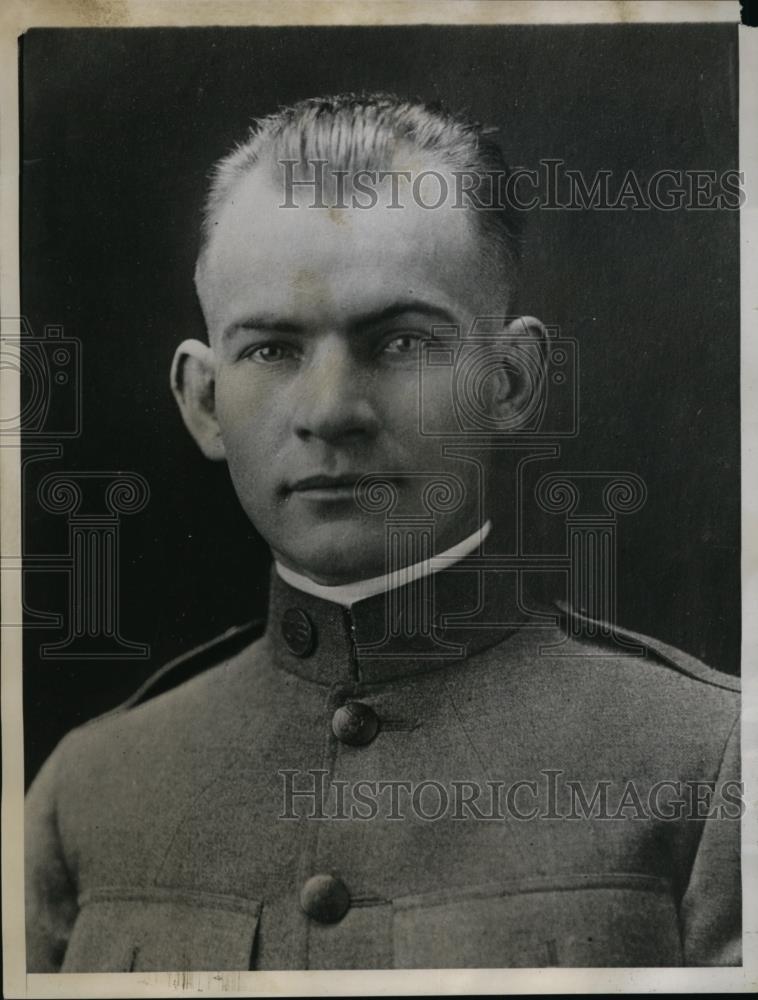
{"x":404,"y":343}
{"x":268,"y":354}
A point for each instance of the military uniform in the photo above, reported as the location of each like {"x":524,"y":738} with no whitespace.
{"x":159,"y":837}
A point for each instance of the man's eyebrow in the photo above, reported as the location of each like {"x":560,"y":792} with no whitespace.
{"x":402,"y":308}
{"x":268,"y":323}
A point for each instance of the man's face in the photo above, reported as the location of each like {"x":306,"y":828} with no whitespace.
{"x":315,"y":319}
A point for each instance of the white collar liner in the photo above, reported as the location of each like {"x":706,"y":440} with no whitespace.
{"x":350,"y":593}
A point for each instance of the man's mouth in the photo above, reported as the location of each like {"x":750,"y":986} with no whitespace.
{"x":325,"y":487}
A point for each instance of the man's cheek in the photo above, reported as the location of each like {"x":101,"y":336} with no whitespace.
{"x":250,"y":462}
{"x":239,"y":392}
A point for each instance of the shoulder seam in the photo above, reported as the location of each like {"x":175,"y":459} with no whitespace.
{"x":218,"y":645}
{"x":670,"y":656}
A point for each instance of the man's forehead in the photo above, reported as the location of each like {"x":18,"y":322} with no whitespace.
{"x":300,"y":251}
{"x":267,"y":200}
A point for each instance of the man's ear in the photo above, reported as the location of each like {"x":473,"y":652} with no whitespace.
{"x":519,"y":387}
{"x":193,"y":382}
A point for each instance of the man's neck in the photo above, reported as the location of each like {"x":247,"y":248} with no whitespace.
{"x":350,"y":593}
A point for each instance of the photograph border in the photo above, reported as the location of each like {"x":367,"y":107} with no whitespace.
{"x":16,"y":18}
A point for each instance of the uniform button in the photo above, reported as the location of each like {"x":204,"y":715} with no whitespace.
{"x":355,"y":723}
{"x":325,"y":898}
{"x":299,"y":632}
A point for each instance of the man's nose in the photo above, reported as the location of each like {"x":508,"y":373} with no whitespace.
{"x":331,"y":400}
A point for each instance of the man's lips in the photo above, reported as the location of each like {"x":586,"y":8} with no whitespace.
{"x":325,"y":487}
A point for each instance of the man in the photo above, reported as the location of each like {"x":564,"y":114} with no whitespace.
{"x":283,"y":807}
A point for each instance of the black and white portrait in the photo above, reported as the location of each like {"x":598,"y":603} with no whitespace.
{"x":380,"y":484}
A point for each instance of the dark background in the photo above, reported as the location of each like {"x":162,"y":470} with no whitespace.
{"x":119,"y":128}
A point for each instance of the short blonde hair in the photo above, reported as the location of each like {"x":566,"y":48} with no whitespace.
{"x":362,"y":131}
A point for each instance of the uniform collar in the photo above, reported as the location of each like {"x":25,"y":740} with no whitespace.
{"x":435,"y":621}
{"x":352,"y":593}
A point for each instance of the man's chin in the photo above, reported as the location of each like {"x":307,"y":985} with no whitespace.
{"x":333,"y":555}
